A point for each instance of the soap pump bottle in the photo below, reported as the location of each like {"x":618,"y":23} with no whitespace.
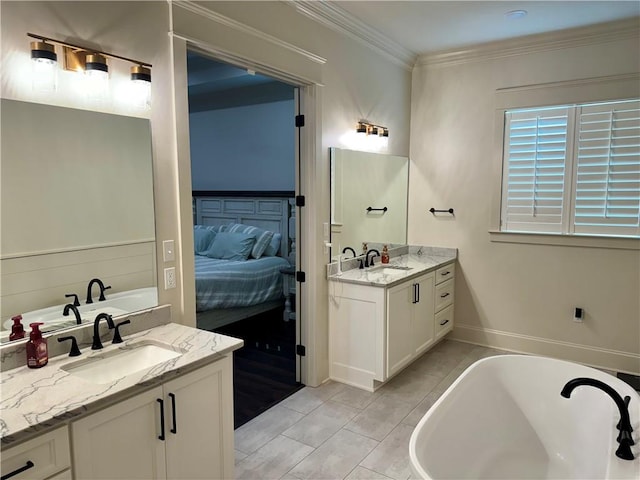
{"x":37,"y":352}
{"x":17,"y":330}
{"x":385,"y":254}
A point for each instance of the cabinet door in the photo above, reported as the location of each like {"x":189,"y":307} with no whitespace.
{"x":423,"y":327}
{"x":400,"y":302}
{"x":121,"y":442}
{"x":200,"y":432}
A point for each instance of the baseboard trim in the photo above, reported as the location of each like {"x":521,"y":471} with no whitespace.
{"x":615,"y":360}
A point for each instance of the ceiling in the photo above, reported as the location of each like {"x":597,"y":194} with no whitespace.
{"x":408,"y":29}
{"x":430,"y":26}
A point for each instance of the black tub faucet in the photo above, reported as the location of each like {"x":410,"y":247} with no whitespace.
{"x":368,"y":263}
{"x":102,"y":289}
{"x":74,"y":309}
{"x":625,"y":440}
{"x":97,"y":344}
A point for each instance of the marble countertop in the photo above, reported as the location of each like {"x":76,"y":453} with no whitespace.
{"x":37,"y":400}
{"x":418,"y":261}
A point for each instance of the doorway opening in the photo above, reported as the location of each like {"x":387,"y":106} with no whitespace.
{"x":245,"y":175}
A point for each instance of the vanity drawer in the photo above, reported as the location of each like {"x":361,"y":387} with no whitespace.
{"x":39,"y":458}
{"x":444,"y":294}
{"x":444,"y":321}
{"x":445,"y":273}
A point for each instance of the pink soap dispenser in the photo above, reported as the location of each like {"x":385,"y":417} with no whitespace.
{"x":37,"y":352}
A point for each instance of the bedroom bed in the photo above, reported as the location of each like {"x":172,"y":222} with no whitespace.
{"x":240,"y":277}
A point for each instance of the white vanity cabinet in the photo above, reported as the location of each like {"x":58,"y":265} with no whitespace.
{"x":410,"y":328}
{"x":180,"y":430}
{"x":376,"y":331}
{"x":44,"y":457}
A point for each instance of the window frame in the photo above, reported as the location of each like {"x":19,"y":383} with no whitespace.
{"x":572,"y":92}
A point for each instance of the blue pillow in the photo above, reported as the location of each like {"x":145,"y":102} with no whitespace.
{"x":202,"y":239}
{"x":263,"y":237}
{"x":274,"y":246}
{"x":231,"y":246}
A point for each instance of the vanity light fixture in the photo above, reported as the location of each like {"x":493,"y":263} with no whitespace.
{"x":94,"y":65}
{"x":43,"y":66}
{"x":371,"y":129}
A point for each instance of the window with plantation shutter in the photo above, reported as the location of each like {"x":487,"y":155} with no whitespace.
{"x":535,"y":170}
{"x":572,"y":170}
{"x":607,"y":199}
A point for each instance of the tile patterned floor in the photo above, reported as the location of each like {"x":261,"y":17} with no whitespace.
{"x":336,"y":431}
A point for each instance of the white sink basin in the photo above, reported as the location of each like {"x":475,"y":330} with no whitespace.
{"x":119,"y":363}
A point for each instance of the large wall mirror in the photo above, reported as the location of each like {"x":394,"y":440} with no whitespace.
{"x":76,"y":204}
{"x":369,"y":194}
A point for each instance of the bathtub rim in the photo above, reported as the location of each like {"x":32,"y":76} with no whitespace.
{"x":416,"y":466}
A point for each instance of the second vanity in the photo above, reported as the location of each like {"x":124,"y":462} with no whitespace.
{"x":384,"y":317}
{"x":172,"y":419}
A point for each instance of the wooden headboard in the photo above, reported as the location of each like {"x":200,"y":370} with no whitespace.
{"x":274,"y":211}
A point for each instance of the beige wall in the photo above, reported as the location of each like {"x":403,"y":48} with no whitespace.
{"x":515,"y":295}
{"x":357,"y":83}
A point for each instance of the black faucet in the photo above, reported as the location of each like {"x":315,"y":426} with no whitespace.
{"x":102,"y":289}
{"x":74,"y":309}
{"x":368,"y":263}
{"x":624,"y":438}
{"x":344,"y":250}
{"x":97,"y":344}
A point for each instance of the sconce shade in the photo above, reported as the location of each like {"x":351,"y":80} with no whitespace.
{"x":43,"y":51}
{"x":95,"y":61}
{"x":141,"y":86}
{"x":361,"y":128}
{"x":371,"y":129}
{"x":385,"y":132}
{"x":141,"y":73}
{"x":43,"y":67}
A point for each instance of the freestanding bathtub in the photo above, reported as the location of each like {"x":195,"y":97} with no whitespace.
{"x":504,"y":418}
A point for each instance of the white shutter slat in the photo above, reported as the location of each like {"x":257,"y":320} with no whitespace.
{"x":607,"y":198}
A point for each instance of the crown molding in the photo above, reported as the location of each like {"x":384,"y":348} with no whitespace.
{"x":575,"y":37}
{"x":342,"y":21}
{"x":193,"y":7}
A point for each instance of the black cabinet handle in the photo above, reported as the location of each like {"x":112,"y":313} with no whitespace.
{"x":414,"y":293}
{"x":444,"y":274}
{"x":161,"y":402}
{"x":173,"y":413}
{"x":444,"y":323}
{"x":27,"y":466}
{"x":444,"y":295}
{"x":418,"y":291}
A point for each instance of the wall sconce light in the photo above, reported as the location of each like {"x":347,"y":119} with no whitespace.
{"x":43,"y":66}
{"x":94,"y":65}
{"x":371,"y":129}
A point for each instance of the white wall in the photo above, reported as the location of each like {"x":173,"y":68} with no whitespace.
{"x":250,"y":147}
{"x":514,"y":295}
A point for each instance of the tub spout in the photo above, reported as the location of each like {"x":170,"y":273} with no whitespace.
{"x":625,"y":440}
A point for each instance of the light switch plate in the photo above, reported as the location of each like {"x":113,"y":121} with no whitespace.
{"x":168,"y":252}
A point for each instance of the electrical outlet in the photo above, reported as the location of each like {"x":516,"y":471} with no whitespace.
{"x":168,"y":252}
{"x":169,"y":278}
{"x":578,"y":314}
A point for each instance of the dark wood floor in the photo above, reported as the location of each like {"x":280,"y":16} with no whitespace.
{"x":264,"y":369}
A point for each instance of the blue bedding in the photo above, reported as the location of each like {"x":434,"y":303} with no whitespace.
{"x":230,"y":283}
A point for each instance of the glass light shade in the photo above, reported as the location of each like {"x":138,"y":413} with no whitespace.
{"x":96,"y":77}
{"x":141,"y":86}
{"x":43,"y":67}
